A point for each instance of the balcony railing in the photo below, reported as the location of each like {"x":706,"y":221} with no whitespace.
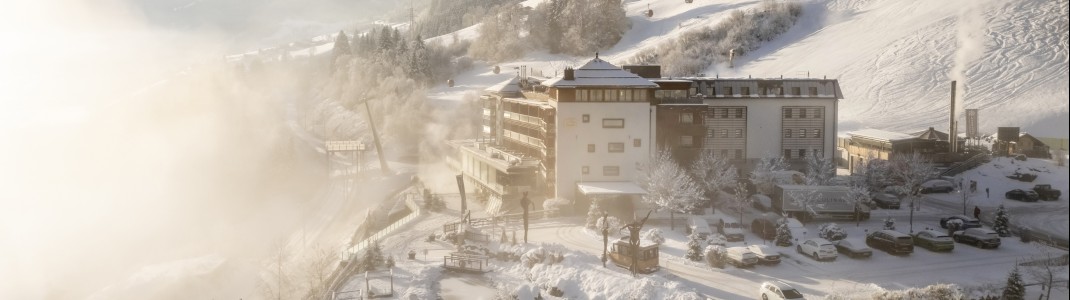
{"x":524,"y":139}
{"x":526,"y":119}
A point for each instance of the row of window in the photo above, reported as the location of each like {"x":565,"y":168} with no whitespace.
{"x":615,"y":147}
{"x":801,"y":153}
{"x":623,"y":95}
{"x":745,"y":91}
{"x":802,"y":113}
{"x":710,"y":133}
{"x":802,"y":133}
{"x":606,"y":170}
{"x":606,"y":122}
{"x":723,"y":113}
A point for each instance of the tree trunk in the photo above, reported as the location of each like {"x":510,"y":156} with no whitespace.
{"x":672,"y":220}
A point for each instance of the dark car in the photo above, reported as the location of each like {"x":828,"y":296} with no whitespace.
{"x":1022,"y":195}
{"x":979,"y":237}
{"x":967,"y":222}
{"x":933,"y":240}
{"x":853,"y":249}
{"x":891,"y":241}
{"x":886,"y":200}
{"x":937,"y":186}
{"x":764,"y":228}
{"x":1047,"y":193}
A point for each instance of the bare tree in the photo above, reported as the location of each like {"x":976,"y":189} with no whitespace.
{"x":668,"y":186}
{"x":819,"y":169}
{"x":908,"y":172}
{"x":318,"y":267}
{"x":277,"y":283}
{"x":713,"y":173}
{"x":1048,"y":271}
{"x":764,"y":173}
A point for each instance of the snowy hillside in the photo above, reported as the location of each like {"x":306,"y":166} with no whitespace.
{"x":894,"y":59}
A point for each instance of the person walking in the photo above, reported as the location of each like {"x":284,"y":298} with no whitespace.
{"x":987,"y":195}
{"x":976,"y":212}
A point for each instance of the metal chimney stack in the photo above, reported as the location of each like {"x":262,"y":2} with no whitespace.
{"x":953,"y":135}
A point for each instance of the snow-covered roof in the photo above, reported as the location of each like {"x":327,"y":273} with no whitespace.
{"x":600,"y":73}
{"x":931,"y":134}
{"x":510,"y":86}
{"x":610,"y":188}
{"x":878,"y":134}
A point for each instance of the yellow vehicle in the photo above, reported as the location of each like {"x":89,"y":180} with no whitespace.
{"x":647,"y":259}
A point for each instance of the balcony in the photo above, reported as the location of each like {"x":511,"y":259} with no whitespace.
{"x":524,"y":139}
{"x":536,"y":122}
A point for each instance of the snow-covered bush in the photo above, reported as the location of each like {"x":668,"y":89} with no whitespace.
{"x":715,"y":255}
{"x":556,"y":204}
{"x":653,"y":235}
{"x":1001,"y":224}
{"x":613,"y":223}
{"x":783,"y":234}
{"x":716,"y":239}
{"x":1015,"y":288}
{"x":831,"y":232}
{"x":541,"y":255}
{"x":694,"y":248}
{"x":936,"y":291}
{"x":889,"y":223}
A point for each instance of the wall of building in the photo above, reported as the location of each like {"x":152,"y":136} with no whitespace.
{"x":764,"y":125}
{"x":574,"y":135}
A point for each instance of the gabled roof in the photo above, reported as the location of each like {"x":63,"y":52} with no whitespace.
{"x":599,"y":73}
{"x":511,"y":86}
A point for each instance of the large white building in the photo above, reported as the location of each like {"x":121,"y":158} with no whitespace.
{"x":588,"y":132}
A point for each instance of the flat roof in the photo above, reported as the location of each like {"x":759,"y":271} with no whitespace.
{"x":610,"y":188}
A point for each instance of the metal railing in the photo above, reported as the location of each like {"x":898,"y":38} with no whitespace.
{"x":967,"y":164}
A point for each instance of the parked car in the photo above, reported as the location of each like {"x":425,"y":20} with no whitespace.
{"x":764,"y":228}
{"x":817,"y":248}
{"x":887,"y":200}
{"x":1023,"y":177}
{"x":933,"y":240}
{"x":891,"y":241}
{"x":967,"y":222}
{"x":778,"y":290}
{"x":979,"y":237}
{"x":1022,"y":195}
{"x":766,"y":255}
{"x":853,"y":249}
{"x":741,"y":257}
{"x":761,"y":202}
{"x":699,"y":227}
{"x":1047,"y":193}
{"x":729,"y":227}
{"x":937,"y":186}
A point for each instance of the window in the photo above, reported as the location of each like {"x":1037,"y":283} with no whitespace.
{"x":724,"y":113}
{"x":586,"y":118}
{"x":813,"y":91}
{"x":796,"y":91}
{"x":581,"y":95}
{"x":610,"y":171}
{"x":802,"y":153}
{"x":616,"y":147}
{"x":802,"y":113}
{"x":724,"y":153}
{"x":637,"y":143}
{"x":724,"y":133}
{"x":687,"y":118}
{"x":728,"y":91}
{"x":612,"y":123}
{"x":687,"y":141}
{"x":739,"y":153}
{"x":590,"y":148}
{"x":739,"y":113}
{"x":625,"y":95}
{"x":787,"y":133}
{"x":787,"y":153}
{"x":745,"y":91}
{"x":817,"y":113}
{"x":802,"y":133}
{"x":817,"y":133}
{"x":787,"y":113}
{"x":596,"y":95}
{"x":739,"y":133}
{"x":611,"y":95}
{"x":585,"y":170}
{"x":709,"y":133}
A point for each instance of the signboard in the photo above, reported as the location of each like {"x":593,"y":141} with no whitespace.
{"x":971,"y":123}
{"x":1007,"y":134}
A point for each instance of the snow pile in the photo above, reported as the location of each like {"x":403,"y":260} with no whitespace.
{"x":423,"y":283}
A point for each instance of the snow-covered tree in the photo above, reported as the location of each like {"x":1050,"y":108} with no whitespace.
{"x":819,"y":169}
{"x":1015,"y":289}
{"x":654,"y":235}
{"x":341,"y":44}
{"x":764,"y":173}
{"x":373,"y":257}
{"x":715,"y":255}
{"x":739,"y":200}
{"x":713,"y":172}
{"x":694,"y":248}
{"x":831,"y":231}
{"x":668,"y":186}
{"x":858,"y":194}
{"x":908,"y":172}
{"x":783,"y":234}
{"x":1001,"y":224}
{"x":499,"y":35}
{"x":594,"y":213}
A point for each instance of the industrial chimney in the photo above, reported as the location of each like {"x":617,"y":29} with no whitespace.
{"x":953,"y":135}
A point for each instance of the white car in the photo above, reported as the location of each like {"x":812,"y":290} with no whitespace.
{"x":818,"y":248}
{"x":778,"y":290}
{"x":766,"y":255}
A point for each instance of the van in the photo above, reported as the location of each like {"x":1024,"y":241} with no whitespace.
{"x":699,"y":227}
{"x":741,"y":257}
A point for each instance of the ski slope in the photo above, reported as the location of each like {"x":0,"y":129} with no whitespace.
{"x":894,"y":59}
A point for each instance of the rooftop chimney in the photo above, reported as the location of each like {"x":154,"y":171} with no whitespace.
{"x":570,"y":74}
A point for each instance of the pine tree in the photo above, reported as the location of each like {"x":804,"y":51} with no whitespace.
{"x":783,"y":234}
{"x":341,"y":44}
{"x":1000,"y":225}
{"x":694,"y":248}
{"x":1015,"y":289}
